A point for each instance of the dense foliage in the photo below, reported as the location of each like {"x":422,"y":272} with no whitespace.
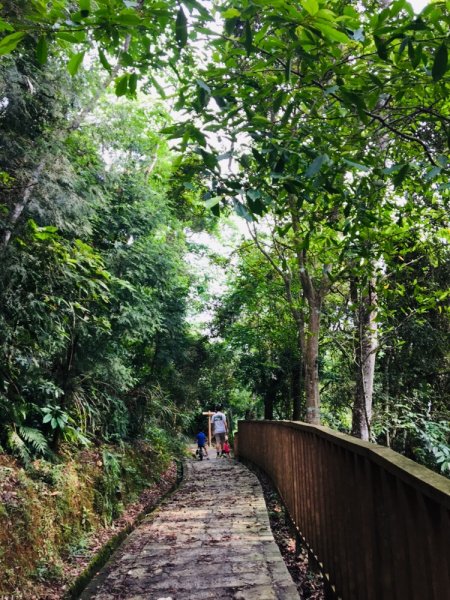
{"x":323,"y":125}
{"x":94,"y":285}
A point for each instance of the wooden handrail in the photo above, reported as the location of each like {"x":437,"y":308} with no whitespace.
{"x":378,"y":523}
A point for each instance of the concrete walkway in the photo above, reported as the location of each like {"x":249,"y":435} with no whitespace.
{"x":210,"y":540}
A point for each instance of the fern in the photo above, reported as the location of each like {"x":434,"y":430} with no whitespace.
{"x":18,"y":446}
{"x":36,"y":439}
{"x":26,"y":442}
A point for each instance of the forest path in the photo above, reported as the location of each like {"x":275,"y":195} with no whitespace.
{"x":210,"y":540}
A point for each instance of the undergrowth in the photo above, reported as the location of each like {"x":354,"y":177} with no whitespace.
{"x":47,"y":510}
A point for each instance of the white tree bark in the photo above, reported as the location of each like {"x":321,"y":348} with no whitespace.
{"x":20,"y":206}
{"x":367,"y":345}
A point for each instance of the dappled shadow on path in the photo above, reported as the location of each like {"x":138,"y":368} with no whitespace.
{"x":210,"y":540}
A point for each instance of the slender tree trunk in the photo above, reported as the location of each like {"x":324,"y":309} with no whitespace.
{"x":269,"y":400}
{"x":312,"y":365}
{"x":313,"y":296}
{"x":298,"y":372}
{"x":387,"y":392}
{"x":367,"y":342}
{"x":296,"y":386}
{"x":268,"y":405}
{"x":21,"y":204}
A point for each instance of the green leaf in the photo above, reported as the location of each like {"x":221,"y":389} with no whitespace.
{"x":221,"y":102}
{"x":417,"y":25}
{"x":400,"y":175}
{"x":230,"y":13}
{"x":256,"y":207}
{"x":287,"y":70}
{"x":61,"y":422}
{"x":325,"y":13}
{"x":45,"y":233}
{"x":287,"y":115}
{"x":432,"y":173}
{"x":121,"y":85}
{"x":104,"y":61}
{"x":128,"y":18}
{"x":396,"y":7}
{"x":212,"y":201}
{"x":440,"y":62}
{"x":393,"y":169}
{"x":195,"y":134}
{"x":85,"y":8}
{"x":4,"y":26}
{"x":9,"y":42}
{"x":253,"y":194}
{"x":311,"y":6}
{"x":304,"y":245}
{"x":42,"y":50}
{"x":216,"y":210}
{"x":132,"y":83}
{"x":403,"y":45}
{"x":316,"y":165}
{"x":443,"y":160}
{"x":242,"y":211}
{"x":381,"y":47}
{"x":255,"y":202}
{"x":209,"y":159}
{"x":126,"y":59}
{"x":203,"y":85}
{"x":74,"y":38}
{"x":157,"y":86}
{"x":181,"y":32}
{"x":332,"y":34}
{"x":353,"y":99}
{"x":74,"y":63}
{"x":357,"y":165}
{"x":278,"y":101}
{"x":258,"y":156}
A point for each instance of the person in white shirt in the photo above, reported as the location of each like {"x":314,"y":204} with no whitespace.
{"x":220,"y":429}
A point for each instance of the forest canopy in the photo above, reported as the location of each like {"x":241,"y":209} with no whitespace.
{"x":131,"y":131}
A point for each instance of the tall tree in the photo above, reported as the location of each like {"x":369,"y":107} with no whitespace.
{"x":315,"y":92}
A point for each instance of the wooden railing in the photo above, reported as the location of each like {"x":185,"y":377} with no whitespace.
{"x":378,"y":523}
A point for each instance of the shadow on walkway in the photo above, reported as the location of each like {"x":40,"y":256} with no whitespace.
{"x":210,"y":540}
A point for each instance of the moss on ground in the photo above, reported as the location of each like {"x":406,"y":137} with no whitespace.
{"x":49,"y":510}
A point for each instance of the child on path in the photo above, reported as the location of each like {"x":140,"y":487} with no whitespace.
{"x":201,"y":443}
{"x":226,"y":449}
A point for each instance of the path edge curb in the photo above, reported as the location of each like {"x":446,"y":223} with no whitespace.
{"x":101,"y":557}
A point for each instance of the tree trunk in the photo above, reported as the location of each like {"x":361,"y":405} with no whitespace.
{"x":367,"y":336}
{"x":20,"y":206}
{"x":314,"y":295}
{"x":268,"y":401}
{"x":298,"y":373}
{"x":296,"y":386}
{"x":312,"y":365}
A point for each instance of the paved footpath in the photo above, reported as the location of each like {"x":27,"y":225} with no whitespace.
{"x":210,"y":540}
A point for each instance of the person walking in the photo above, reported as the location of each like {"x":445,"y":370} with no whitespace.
{"x":201,"y":444}
{"x":220,"y":428}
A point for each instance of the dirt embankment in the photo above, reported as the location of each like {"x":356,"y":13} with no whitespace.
{"x":54,"y":518}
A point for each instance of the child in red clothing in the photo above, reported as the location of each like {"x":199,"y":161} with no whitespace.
{"x":226,"y":449}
